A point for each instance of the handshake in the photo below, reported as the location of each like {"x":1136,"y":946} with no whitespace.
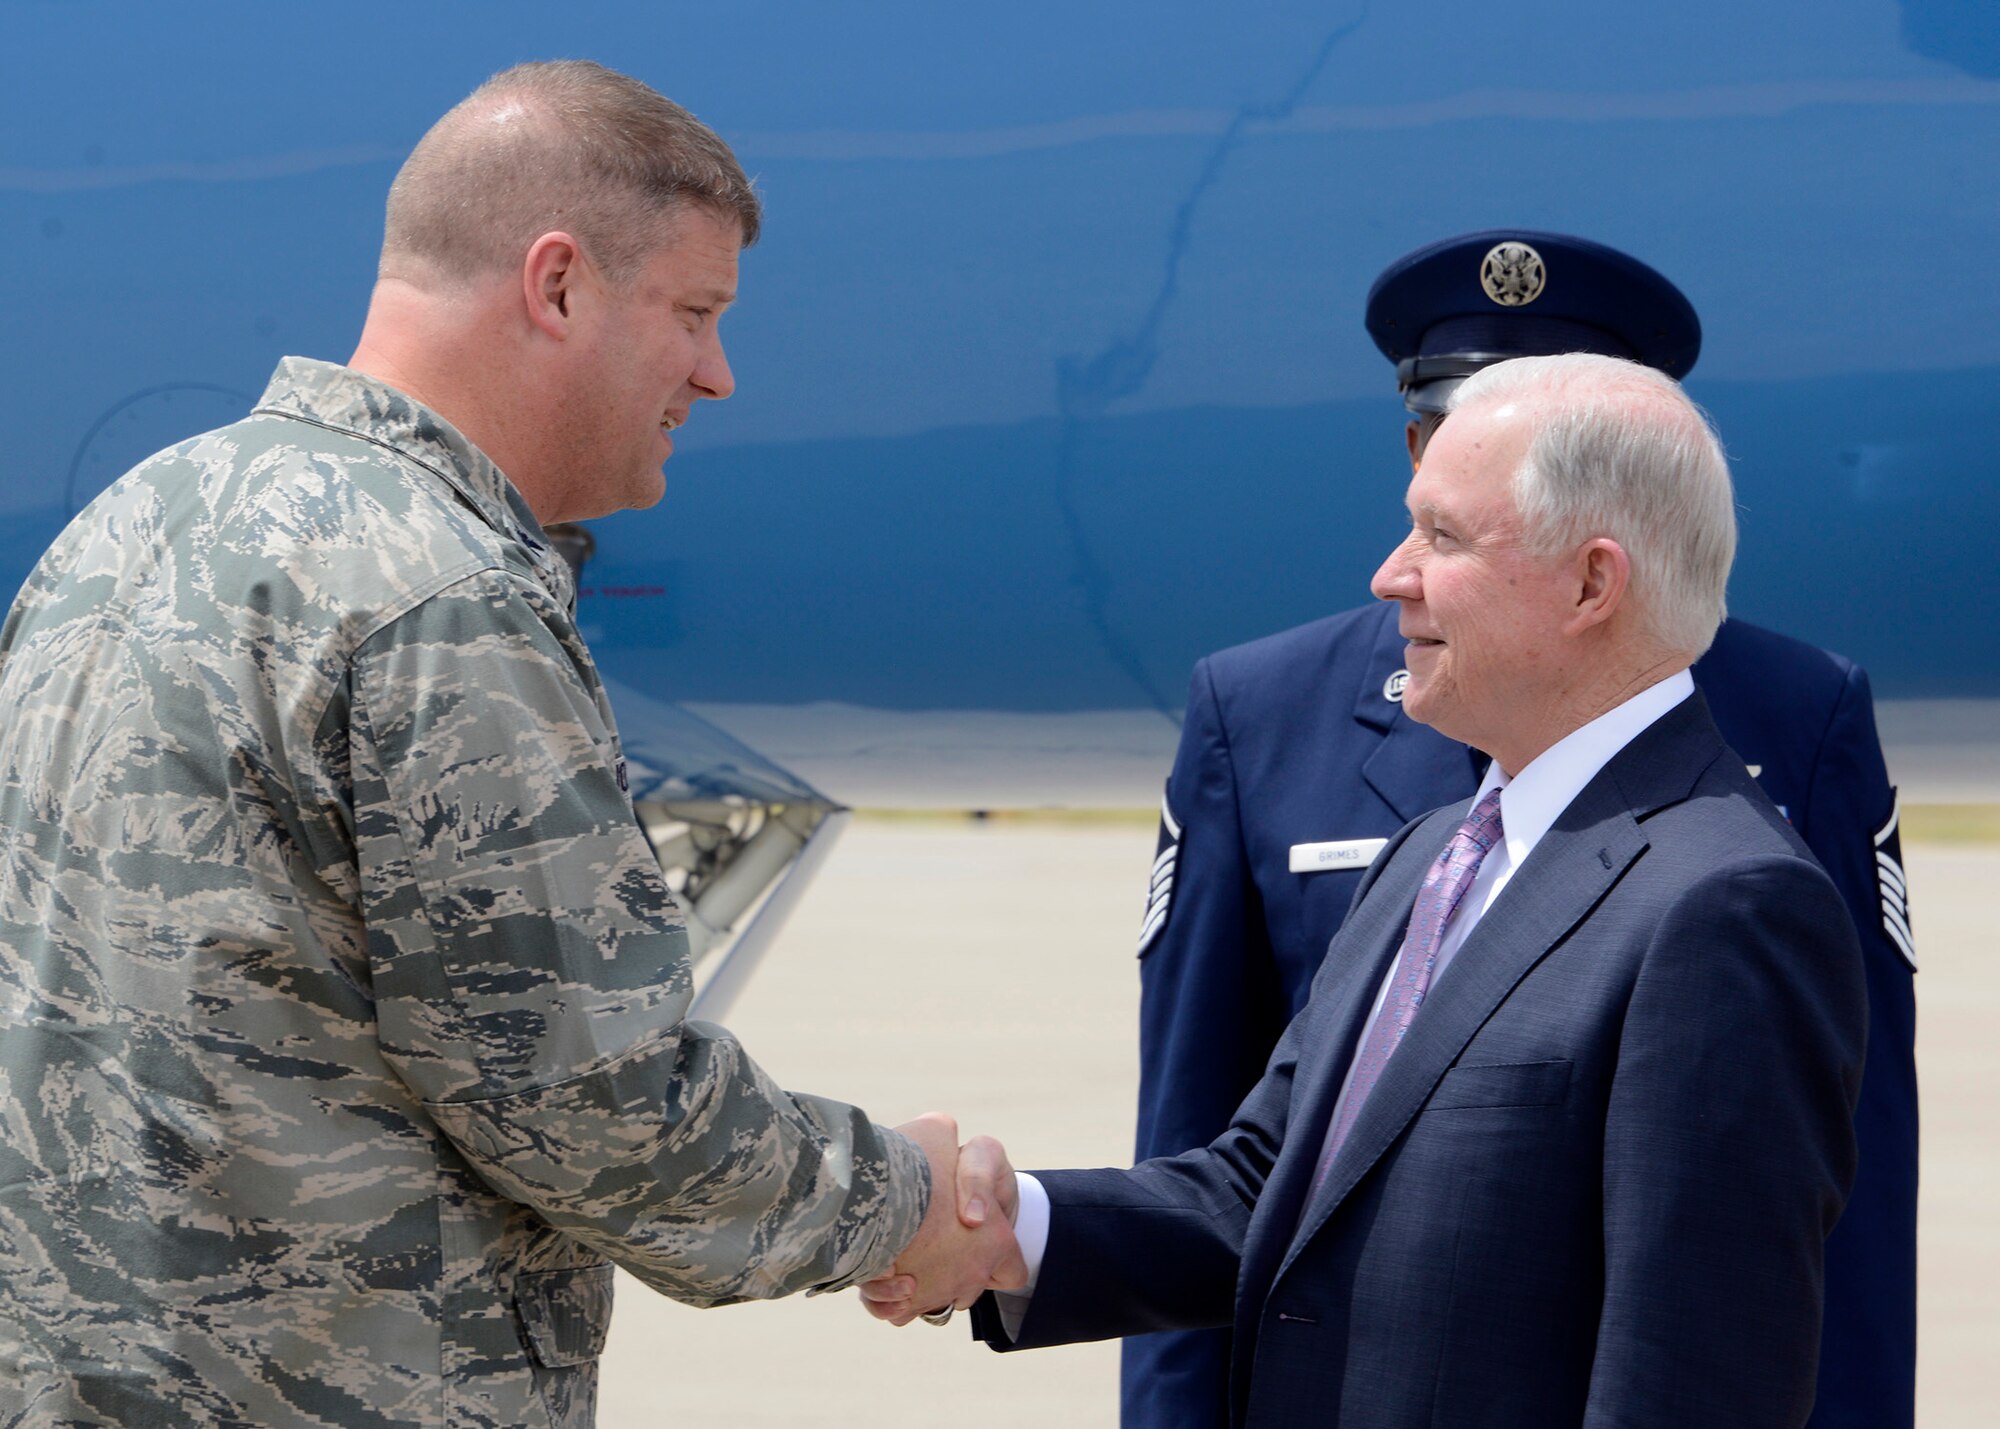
{"x":966,"y":1244}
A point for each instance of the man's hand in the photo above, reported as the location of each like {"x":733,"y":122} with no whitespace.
{"x":962,"y":1249}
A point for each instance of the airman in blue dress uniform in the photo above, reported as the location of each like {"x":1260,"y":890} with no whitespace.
{"x":1296,"y":762}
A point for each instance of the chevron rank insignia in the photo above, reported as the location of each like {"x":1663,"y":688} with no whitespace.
{"x":1893,"y":886}
{"x":1160,"y":892}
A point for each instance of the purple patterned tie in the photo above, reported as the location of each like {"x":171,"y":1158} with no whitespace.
{"x":1444,"y":888}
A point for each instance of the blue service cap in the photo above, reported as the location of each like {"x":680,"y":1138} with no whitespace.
{"x":1452,"y":307}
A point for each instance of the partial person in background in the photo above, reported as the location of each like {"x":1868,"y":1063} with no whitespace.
{"x":1297,"y":761}
{"x":343,"y":1036}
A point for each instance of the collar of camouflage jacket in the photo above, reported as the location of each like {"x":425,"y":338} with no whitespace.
{"x":343,"y":400}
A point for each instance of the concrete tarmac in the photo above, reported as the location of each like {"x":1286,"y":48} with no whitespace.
{"x":986,"y":969}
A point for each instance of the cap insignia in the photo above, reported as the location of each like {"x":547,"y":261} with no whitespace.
{"x":1512,"y":274}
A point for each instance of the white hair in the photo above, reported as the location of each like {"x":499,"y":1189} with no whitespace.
{"x":1618,"y":450}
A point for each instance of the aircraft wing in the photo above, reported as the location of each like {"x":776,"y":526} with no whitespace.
{"x":738,"y":836}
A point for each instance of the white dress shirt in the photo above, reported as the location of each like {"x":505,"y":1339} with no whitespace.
{"x":1530,"y":803}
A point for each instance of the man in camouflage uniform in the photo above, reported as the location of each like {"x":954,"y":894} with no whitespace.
{"x":341,"y":1005}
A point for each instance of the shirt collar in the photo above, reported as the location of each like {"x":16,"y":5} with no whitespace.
{"x":1534,"y":799}
{"x":341,"y":399}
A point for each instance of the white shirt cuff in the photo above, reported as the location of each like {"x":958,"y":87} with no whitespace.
{"x":1031,"y":1226}
{"x":1031,"y":1232}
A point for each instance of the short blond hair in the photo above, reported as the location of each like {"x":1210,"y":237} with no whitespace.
{"x":563,"y":145}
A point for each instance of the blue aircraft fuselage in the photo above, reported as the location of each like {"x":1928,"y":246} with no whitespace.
{"x":1051,"y":368}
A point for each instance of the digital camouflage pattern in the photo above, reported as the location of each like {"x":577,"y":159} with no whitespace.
{"x":341,"y":1038}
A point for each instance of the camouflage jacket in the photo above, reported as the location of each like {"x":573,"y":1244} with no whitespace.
{"x":341,"y":1001}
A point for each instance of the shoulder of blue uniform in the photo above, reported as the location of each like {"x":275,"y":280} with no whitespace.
{"x":1257,"y":690}
{"x":1252,"y":682}
{"x":1770,"y":690}
{"x":1789,"y":667}
{"x":1198,"y":759}
{"x":1775,"y":699}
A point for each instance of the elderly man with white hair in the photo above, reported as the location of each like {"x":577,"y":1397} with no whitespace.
{"x":1560,"y":1135}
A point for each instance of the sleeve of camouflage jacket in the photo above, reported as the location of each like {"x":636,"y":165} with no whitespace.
{"x":531,"y":975}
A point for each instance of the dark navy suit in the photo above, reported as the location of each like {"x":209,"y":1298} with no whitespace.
{"x":1291,"y":740}
{"x":1593,"y":1183}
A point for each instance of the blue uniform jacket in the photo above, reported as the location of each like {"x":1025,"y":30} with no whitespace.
{"x":1299,"y":739}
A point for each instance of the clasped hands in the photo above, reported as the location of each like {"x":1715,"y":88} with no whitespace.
{"x":966,"y":1245}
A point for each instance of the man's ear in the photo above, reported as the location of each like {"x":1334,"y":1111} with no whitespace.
{"x":1413,"y":438}
{"x":550,"y":277}
{"x":1603,"y":574}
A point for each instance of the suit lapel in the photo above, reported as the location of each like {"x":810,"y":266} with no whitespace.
{"x":1342,"y":996}
{"x":1583,"y":854}
{"x":1328,"y":1029}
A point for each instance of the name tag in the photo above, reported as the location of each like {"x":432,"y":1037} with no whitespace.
{"x":1341,"y":853}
